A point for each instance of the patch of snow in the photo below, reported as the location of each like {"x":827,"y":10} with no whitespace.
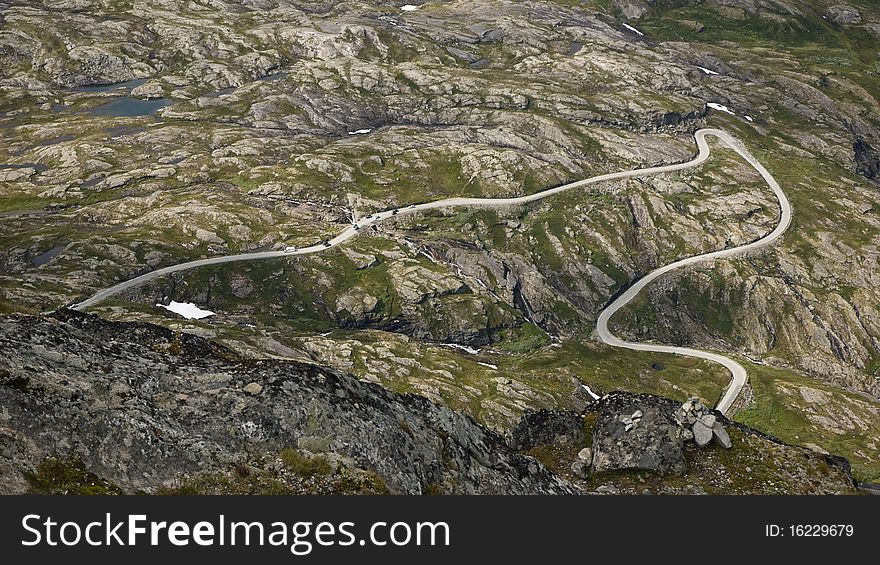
{"x":188,"y":310}
{"x":749,"y":118}
{"x":360,"y":131}
{"x":707,"y":71}
{"x":632,"y":29}
{"x":464,"y":348}
{"x":720,"y":108}
{"x":590,"y":392}
{"x":490,"y":365}
{"x":409,"y":8}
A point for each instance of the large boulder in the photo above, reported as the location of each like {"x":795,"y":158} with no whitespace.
{"x":702,"y":434}
{"x":721,"y":436}
{"x":654,"y":444}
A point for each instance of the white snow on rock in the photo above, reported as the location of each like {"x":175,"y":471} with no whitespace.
{"x":360,"y":131}
{"x":720,"y":108}
{"x":464,"y":348}
{"x":632,"y":29}
{"x":707,"y":71}
{"x":188,"y":310}
{"x":409,"y":8}
{"x":590,"y":392}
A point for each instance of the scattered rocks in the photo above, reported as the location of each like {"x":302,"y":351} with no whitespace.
{"x":631,"y":421}
{"x":581,"y":466}
{"x":580,"y":469}
{"x":698,"y":423}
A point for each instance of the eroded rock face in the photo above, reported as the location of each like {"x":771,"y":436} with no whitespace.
{"x":142,"y":406}
{"x":655,"y":444}
{"x":633,"y":9}
{"x":844,"y":15}
{"x":867,"y":159}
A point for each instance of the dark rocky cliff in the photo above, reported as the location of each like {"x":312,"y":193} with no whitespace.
{"x":93,"y":406}
{"x":142,"y":408}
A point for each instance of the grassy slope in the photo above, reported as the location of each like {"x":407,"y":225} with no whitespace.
{"x":826,"y":49}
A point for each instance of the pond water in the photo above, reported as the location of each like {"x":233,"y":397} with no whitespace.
{"x":39,"y":167}
{"x":276,"y":76}
{"x":47,"y":256}
{"x":129,"y":107}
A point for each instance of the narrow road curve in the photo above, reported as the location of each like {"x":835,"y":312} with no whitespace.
{"x":737,"y":371}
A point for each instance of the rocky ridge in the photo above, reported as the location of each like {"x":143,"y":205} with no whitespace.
{"x":146,"y":409}
{"x":248,"y":147}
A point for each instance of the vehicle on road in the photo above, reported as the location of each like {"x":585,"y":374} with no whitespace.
{"x":327,"y":244}
{"x":290,"y":249}
{"x":395,"y":212}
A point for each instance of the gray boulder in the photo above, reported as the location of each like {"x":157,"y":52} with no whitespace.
{"x":721,"y":437}
{"x":654,"y":445}
{"x":586,"y":455}
{"x":702,"y":434}
{"x":580,"y":469}
{"x":708,"y":420}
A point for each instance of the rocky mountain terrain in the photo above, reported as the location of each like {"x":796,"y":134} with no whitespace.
{"x":90,"y":406}
{"x":136,"y":134}
{"x":144,"y":408}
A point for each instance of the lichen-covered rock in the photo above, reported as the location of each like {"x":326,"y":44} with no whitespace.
{"x":143,"y":407}
{"x":654,"y":445}
{"x":547,"y":427}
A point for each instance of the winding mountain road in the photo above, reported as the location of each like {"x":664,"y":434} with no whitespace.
{"x":739,"y":375}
